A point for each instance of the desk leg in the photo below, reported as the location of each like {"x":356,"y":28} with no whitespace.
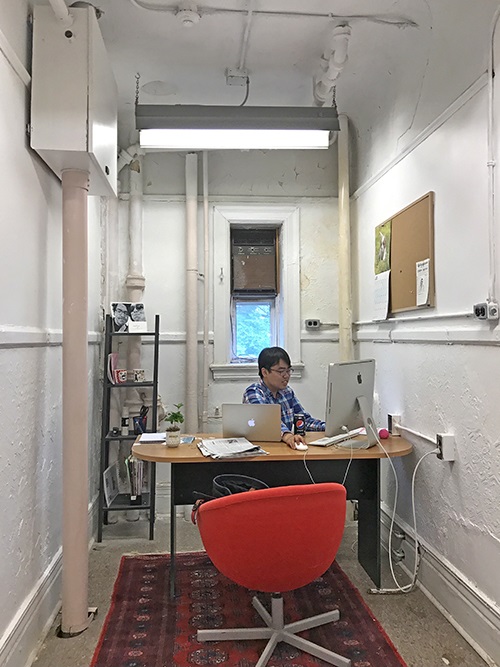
{"x":172,"y":533}
{"x":369,"y":546}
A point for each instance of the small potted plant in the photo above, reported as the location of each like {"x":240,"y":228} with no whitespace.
{"x":173,"y":432}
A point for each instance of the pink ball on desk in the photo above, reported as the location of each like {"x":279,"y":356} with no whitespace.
{"x":383,"y":433}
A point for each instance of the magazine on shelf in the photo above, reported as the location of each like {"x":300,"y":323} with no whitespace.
{"x":110,"y":482}
{"x":229,"y":448}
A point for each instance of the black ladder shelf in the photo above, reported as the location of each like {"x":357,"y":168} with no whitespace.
{"x":123,"y":501}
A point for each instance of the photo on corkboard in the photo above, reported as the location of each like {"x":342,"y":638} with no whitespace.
{"x":383,"y":247}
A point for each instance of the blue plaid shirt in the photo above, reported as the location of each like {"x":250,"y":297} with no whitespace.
{"x":290,"y":405}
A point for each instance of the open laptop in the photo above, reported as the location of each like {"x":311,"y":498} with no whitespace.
{"x":254,"y":421}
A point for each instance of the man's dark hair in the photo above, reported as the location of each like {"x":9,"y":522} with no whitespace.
{"x":271,"y":356}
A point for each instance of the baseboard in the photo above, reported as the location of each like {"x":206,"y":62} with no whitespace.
{"x":25,"y":633}
{"x":473,"y":615}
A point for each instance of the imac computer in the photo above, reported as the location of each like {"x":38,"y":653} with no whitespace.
{"x":349,"y":401}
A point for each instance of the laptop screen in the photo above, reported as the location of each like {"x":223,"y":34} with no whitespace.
{"x":254,"y":421}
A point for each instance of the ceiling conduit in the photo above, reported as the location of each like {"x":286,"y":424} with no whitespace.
{"x":332,"y":63}
{"x":396,"y":21}
{"x":62,"y":12}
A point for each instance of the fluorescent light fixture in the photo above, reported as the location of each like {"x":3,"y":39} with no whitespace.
{"x":233,"y":139}
{"x":192,"y":127}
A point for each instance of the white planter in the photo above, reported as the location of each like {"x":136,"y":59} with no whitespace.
{"x":173,"y":438}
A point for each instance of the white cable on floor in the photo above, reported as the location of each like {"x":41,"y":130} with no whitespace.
{"x":407,"y":588}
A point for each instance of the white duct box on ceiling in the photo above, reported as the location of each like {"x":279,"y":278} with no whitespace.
{"x":74,"y":98}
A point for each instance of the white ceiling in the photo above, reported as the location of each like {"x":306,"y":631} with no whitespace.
{"x":407,"y":59}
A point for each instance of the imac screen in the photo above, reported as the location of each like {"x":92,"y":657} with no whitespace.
{"x":349,"y":397}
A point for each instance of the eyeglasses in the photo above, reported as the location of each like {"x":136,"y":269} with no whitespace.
{"x":283,"y":371}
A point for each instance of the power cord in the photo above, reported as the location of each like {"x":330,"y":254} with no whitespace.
{"x":407,"y":588}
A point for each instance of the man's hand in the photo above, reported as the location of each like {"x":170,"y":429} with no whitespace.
{"x":291,"y":440}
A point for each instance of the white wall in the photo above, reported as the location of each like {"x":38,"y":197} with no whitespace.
{"x":30,"y":366}
{"x":441,"y":373}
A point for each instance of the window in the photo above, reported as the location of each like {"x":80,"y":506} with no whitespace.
{"x":247,"y":314}
{"x":254,"y":276}
{"x":252,"y":327}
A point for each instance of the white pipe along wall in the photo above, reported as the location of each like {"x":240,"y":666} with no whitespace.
{"x":135,"y":281}
{"x":191,"y":407}
{"x":206,"y":295}
{"x":75,"y":617}
{"x":345,"y":291}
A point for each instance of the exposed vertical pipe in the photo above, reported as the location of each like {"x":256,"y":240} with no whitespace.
{"x":75,"y":617}
{"x":492,"y":288}
{"x":62,"y":13}
{"x":135,"y":277}
{"x":246,"y":36}
{"x":206,"y":295}
{"x":345,"y":288}
{"x":191,"y":402}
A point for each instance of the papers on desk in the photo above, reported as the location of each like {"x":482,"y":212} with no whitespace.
{"x":161,"y":438}
{"x":229,"y":448}
{"x":153,"y":437}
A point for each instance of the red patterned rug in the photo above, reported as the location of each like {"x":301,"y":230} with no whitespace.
{"x":144,"y":629}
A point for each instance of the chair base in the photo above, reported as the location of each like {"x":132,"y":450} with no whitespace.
{"x":276,"y":631}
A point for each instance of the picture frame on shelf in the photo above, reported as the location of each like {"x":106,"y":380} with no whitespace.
{"x":128,"y":317}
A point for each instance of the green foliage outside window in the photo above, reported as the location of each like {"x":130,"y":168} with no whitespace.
{"x":252,"y":328}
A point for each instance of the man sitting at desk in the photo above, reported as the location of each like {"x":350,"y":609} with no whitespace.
{"x":274,"y":371}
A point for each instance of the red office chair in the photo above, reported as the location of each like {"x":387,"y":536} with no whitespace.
{"x":275,"y":540}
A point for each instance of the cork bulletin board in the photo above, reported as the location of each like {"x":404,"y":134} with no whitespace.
{"x":412,"y":241}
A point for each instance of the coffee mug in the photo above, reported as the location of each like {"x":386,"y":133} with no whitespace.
{"x":120,"y":375}
{"x":139,"y":375}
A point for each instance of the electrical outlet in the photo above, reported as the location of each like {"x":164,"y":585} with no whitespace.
{"x":445,"y":442}
{"x":393,"y":422}
{"x":312,"y":323}
{"x":481,"y":311}
{"x":488,"y":310}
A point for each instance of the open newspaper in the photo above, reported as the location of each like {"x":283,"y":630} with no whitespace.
{"x":229,"y":448}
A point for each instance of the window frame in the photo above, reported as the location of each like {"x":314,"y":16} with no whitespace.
{"x":288,"y":321}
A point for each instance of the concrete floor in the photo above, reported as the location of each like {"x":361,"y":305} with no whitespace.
{"x":421,"y":634}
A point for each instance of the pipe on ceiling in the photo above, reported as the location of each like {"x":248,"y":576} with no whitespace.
{"x":60,"y":9}
{"x":332,"y":63}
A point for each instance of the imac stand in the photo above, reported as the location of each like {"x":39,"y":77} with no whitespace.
{"x":371,"y":432}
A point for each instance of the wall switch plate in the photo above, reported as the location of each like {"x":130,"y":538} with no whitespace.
{"x":236,"y":77}
{"x":312,"y":323}
{"x":445,"y":442}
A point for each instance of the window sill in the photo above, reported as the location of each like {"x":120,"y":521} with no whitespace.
{"x":247,"y":372}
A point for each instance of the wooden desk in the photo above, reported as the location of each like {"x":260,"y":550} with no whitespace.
{"x":191,"y":471}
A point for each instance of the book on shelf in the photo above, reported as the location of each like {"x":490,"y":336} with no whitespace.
{"x":229,"y":448}
{"x":135,"y":471}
